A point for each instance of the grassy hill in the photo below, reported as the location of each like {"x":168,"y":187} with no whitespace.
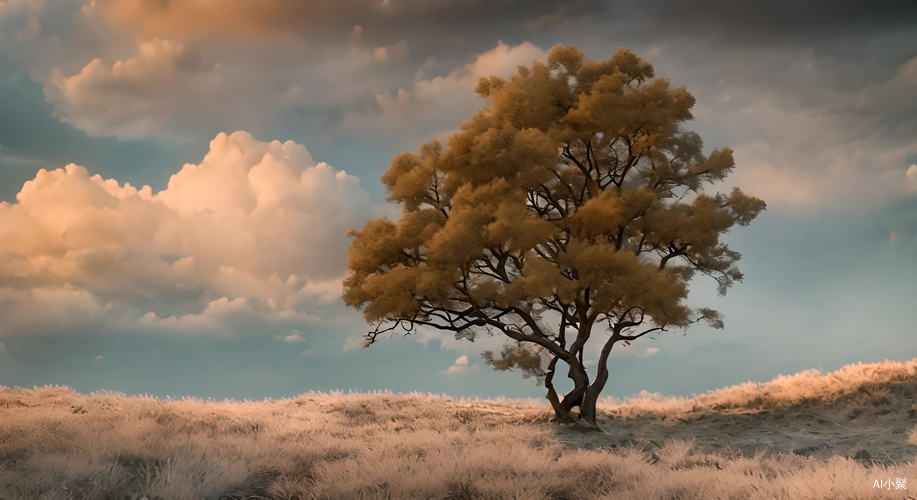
{"x":809,"y":435}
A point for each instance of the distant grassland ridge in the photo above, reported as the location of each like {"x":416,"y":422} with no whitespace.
{"x":808,"y":435}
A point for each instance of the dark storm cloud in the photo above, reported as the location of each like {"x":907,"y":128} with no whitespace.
{"x":777,"y":22}
{"x":448,"y":22}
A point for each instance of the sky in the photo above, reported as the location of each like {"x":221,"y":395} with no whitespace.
{"x":177,"y":180}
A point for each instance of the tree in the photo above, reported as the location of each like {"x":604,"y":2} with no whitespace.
{"x":569,"y":211}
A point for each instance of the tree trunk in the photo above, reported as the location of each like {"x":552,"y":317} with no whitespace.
{"x":580,"y":379}
{"x":577,"y":372}
{"x":589,"y":413}
{"x":591,"y":396}
{"x":561,"y":414}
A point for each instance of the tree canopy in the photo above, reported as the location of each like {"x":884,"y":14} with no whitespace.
{"x":573,"y":207}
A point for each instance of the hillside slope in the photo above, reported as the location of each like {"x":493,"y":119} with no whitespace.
{"x":810,"y":435}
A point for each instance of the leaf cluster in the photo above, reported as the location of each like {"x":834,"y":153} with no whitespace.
{"x":575,"y":196}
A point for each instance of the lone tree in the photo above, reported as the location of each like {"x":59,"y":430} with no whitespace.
{"x":568,"y":212}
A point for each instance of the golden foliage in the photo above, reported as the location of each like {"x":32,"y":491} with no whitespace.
{"x":569,"y":183}
{"x":574,"y":194}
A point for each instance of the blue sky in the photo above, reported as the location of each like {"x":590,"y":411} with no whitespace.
{"x":171,"y":291}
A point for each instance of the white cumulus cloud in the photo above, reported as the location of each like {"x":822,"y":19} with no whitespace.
{"x":461,"y":365}
{"x":256,"y":229}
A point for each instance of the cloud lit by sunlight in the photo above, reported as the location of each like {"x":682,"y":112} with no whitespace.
{"x":256,"y":229}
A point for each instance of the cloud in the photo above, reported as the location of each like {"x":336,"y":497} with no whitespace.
{"x":222,"y":317}
{"x":395,"y":52}
{"x":650,"y":351}
{"x":99,"y":357}
{"x":182,"y":91}
{"x":209,"y":18}
{"x":500,"y":61}
{"x":910,"y":177}
{"x":354,"y":342}
{"x":456,"y":369}
{"x":132,"y":97}
{"x":356,"y":33}
{"x":780,"y":22}
{"x":181,"y":70}
{"x":255,"y":230}
{"x":306,"y":67}
{"x":26,"y":12}
{"x":801,"y":144}
{"x":278,"y":18}
{"x":293,"y":338}
{"x":461,"y":365}
{"x":771,"y":174}
{"x":434,"y":105}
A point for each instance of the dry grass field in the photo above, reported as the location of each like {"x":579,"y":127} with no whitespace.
{"x":809,"y":435}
